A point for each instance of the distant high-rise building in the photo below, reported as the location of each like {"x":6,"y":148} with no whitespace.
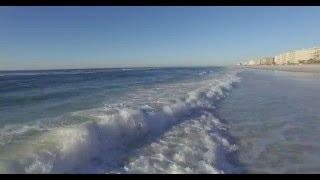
{"x":295,"y":57}
{"x":266,"y":61}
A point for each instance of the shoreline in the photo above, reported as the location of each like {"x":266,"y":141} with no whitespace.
{"x":306,"y":68}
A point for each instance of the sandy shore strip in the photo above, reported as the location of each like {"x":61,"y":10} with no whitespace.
{"x":309,"y":68}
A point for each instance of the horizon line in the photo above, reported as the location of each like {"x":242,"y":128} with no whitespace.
{"x":132,"y":67}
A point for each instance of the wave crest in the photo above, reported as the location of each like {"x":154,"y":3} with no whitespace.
{"x":105,"y":142}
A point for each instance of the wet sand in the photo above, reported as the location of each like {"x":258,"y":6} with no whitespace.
{"x":275,"y":118}
{"x":309,"y":68}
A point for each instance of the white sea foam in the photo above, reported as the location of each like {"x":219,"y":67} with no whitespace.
{"x":106,"y":142}
{"x":190,"y":147}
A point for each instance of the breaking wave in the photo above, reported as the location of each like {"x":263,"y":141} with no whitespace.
{"x":164,"y":129}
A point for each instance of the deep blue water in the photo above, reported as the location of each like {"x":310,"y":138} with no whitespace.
{"x":32,"y":95}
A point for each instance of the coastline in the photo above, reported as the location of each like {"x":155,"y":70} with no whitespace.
{"x":307,"y":68}
{"x":275,"y":118}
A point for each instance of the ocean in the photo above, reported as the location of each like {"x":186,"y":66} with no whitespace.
{"x":159,"y":120}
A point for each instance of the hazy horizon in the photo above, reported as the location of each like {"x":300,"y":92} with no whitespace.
{"x":124,"y":67}
{"x":45,"y":38}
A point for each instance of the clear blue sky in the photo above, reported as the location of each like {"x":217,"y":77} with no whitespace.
{"x":88,"y":37}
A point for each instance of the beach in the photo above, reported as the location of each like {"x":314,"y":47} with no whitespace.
{"x":159,"y":120}
{"x":274,"y":116}
{"x":307,"y":68}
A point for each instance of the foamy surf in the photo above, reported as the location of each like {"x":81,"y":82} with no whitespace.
{"x":194,"y":146}
{"x":164,"y":129}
